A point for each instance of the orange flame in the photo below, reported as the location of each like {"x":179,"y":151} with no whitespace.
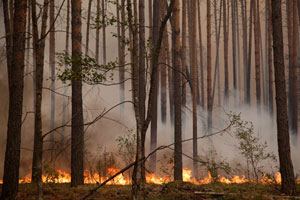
{"x":93,"y":178}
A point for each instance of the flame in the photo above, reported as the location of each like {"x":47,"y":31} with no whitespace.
{"x":93,"y":178}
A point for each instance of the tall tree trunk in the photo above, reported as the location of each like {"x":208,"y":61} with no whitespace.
{"x":293,"y":76}
{"x":88,"y":28}
{"x":248,"y":82}
{"x":177,"y":92}
{"x":64,"y":111}
{"x":201,"y":58}
{"x":142,"y":72}
{"x":28,"y":38}
{"x":16,"y":49}
{"x":209,"y":82}
{"x":238,"y":47}
{"x":122,"y":56}
{"x":153,"y":137}
{"x":183,"y":56}
{"x":77,"y":134}
{"x":97,"y":31}
{"x":39,"y":48}
{"x":233,"y":25}
{"x":225,"y":32}
{"x":104,"y":30}
{"x":244,"y":26}
{"x":286,"y":167}
{"x":52,"y":66}
{"x":163,"y":71}
{"x":271,"y":73}
{"x":257,"y":57}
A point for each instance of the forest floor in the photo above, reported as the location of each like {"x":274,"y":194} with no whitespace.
{"x":168,"y":191}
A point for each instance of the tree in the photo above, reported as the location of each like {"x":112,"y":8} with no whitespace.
{"x":270,"y":61}
{"x":77,"y":134}
{"x":286,"y":167}
{"x":97,"y":31}
{"x":257,"y":55}
{"x":209,"y":82}
{"x":39,"y":49}
{"x":177,"y":91}
{"x":233,"y":25}
{"x":248,"y":74}
{"x":15,"y":51}
{"x":225,"y":32}
{"x":104,"y":30}
{"x":52,"y":65}
{"x":88,"y":27}
{"x":244,"y":33}
{"x":153,"y":137}
{"x":193,"y":59}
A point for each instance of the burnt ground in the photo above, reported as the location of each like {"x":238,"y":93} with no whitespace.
{"x":168,"y":191}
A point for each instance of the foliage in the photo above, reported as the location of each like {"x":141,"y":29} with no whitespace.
{"x":250,"y":146}
{"x":127,"y":146}
{"x":51,"y":174}
{"x":87,"y":71}
{"x":214,"y":163}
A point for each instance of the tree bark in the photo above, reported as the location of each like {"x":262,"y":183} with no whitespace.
{"x":88,"y":28}
{"x":209,"y":71}
{"x":153,"y":138}
{"x":225,"y":32}
{"x":77,"y":134}
{"x":52,"y":66}
{"x":16,"y":49}
{"x":270,"y":60}
{"x":201,"y":58}
{"x":244,"y":26}
{"x":286,"y":167}
{"x":233,"y":25}
{"x":97,"y":31}
{"x":104,"y":30}
{"x":177,"y":91}
{"x":257,"y":57}
{"x":248,"y":82}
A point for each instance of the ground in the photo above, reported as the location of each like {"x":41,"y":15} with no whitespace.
{"x":168,"y":191}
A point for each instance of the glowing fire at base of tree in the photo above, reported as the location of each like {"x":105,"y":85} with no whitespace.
{"x":64,"y":177}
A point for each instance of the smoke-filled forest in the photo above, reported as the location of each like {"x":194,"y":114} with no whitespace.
{"x":149,"y":99}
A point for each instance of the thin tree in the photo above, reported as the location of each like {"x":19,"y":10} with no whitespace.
{"x":52,"y":65}
{"x":201,"y":57}
{"x":15,"y":46}
{"x":244,"y":33}
{"x":270,"y":61}
{"x":64,"y":111}
{"x":97,"y":45}
{"x":177,"y":92}
{"x":248,"y":78}
{"x":233,"y":26}
{"x":209,"y":70}
{"x":257,"y":57}
{"x":122,"y":55}
{"x":153,"y":137}
{"x":104,"y":30}
{"x":193,"y":51}
{"x":288,"y":185}
{"x":88,"y":28}
{"x":77,"y":134}
{"x":225,"y":33}
{"x":39,"y":48}
{"x":183,"y":53}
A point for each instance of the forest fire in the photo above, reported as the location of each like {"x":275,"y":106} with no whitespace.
{"x":64,"y":177}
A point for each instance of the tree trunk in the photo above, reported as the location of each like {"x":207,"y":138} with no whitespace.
{"x":104,"y":30}
{"x":28,"y":38}
{"x":77,"y":134}
{"x":244,"y":26}
{"x":271,"y":73}
{"x":177,"y":92}
{"x":122,"y":56}
{"x":88,"y":28}
{"x":64,"y":111}
{"x":233,"y":16}
{"x":142,"y":72}
{"x":248,"y":82}
{"x":97,"y":31}
{"x":52,"y":67}
{"x":286,"y":167}
{"x":163,"y":71}
{"x":257,"y":56}
{"x":209,"y":82}
{"x":16,"y":49}
{"x":39,"y":48}
{"x":225,"y":31}
{"x":183,"y":56}
{"x":201,"y":58}
{"x":153,"y":138}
